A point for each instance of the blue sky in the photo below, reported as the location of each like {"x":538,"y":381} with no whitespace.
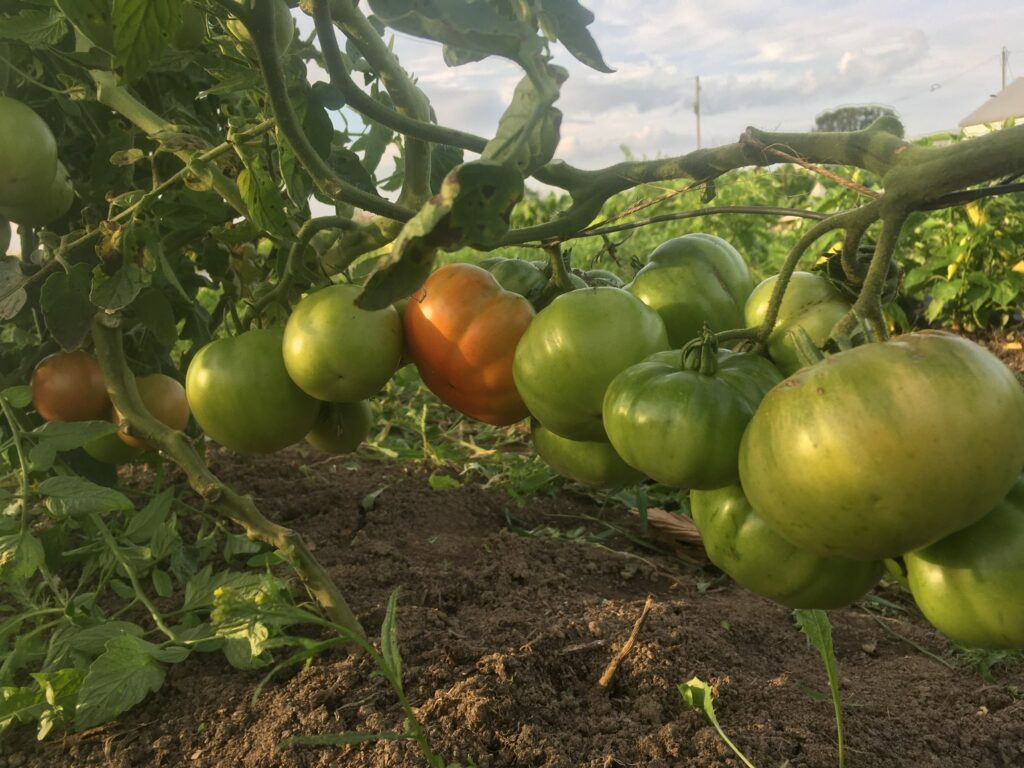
{"x":771,"y":66}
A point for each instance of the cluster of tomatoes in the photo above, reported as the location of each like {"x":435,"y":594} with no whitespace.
{"x":35,"y":188}
{"x":805,"y":480}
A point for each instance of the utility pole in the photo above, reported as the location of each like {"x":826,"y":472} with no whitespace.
{"x":696,"y":105}
{"x":1006,"y":58}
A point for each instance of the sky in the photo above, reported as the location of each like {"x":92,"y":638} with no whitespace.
{"x":771,"y":66}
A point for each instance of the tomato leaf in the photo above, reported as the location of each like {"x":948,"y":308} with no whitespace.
{"x":118,"y":679}
{"x":818,"y":630}
{"x":64,"y":300}
{"x":154,"y":311}
{"x":55,"y":436}
{"x":68,"y":495}
{"x":20,"y":556}
{"x":142,"y":29}
{"x":12,"y":288}
{"x":263,"y":199}
{"x":528,"y":131}
{"x":567,"y":21}
{"x":34,"y":28}
{"x":18,"y":396}
{"x":118,"y":290}
{"x":92,"y":18}
{"x":698,"y":695}
{"x":443,"y":159}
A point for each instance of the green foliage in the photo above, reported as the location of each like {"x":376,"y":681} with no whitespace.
{"x":851,"y":118}
{"x":698,"y":696}
{"x":818,"y":630}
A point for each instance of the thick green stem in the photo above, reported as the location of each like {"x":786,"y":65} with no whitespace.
{"x":241,"y":510}
{"x":559,"y":273}
{"x":260,"y":21}
{"x":368,"y":106}
{"x":868,"y":306}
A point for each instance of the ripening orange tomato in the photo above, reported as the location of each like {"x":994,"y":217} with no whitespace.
{"x":461,"y":331}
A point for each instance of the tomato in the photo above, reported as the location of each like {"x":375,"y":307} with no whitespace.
{"x":284,"y":28}
{"x":681,"y":424}
{"x":461,"y":331}
{"x":739,"y":542}
{"x":68,"y":386}
{"x":28,"y":154}
{"x":336,"y":351}
{"x":811,"y":302}
{"x":241,"y":394}
{"x":970,"y":585}
{"x":48,"y":206}
{"x":693,"y":280}
{"x":520,"y":277}
{"x":165,"y":400}
{"x":603,"y":277}
{"x":572,"y":351}
{"x":886,"y":447}
{"x":340,"y":427}
{"x":111,"y":449}
{"x":593,"y":463}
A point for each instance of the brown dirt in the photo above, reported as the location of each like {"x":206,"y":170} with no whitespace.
{"x":504,"y":637}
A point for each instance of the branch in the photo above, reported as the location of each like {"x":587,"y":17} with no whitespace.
{"x":106,"y":335}
{"x":260,"y":23}
{"x":758,"y":210}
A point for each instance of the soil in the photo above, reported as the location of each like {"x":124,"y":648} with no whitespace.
{"x":505,"y":635}
{"x":508,"y":618}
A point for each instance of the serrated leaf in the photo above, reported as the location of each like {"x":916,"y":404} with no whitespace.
{"x":263,"y":200}
{"x":528,"y":131}
{"x":121,"y":677}
{"x":142,"y":29}
{"x":34,"y":28}
{"x":21,"y":554}
{"x":472,"y":208}
{"x":56,"y":436}
{"x":69,"y":495}
{"x":12,"y":287}
{"x":92,"y":18}
{"x":92,"y":641}
{"x":199,"y":589}
{"x":154,"y":311}
{"x":64,"y":300}
{"x":569,"y":21}
{"x":120,"y":289}
{"x":19,"y":396}
{"x":347,"y":164}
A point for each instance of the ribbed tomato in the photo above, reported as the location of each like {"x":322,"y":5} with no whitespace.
{"x":461,"y":331}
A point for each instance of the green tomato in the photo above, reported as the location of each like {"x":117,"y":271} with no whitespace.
{"x":811,"y":302}
{"x":574,"y":348}
{"x":593,"y":463}
{"x":284,"y":28}
{"x":111,"y":449}
{"x":28,"y":155}
{"x":51,"y":205}
{"x":885,"y":448}
{"x":682,"y":425}
{"x":519,"y":277}
{"x":336,"y":351}
{"x":241,"y":395}
{"x":739,"y":542}
{"x":969,"y":585}
{"x":693,"y":280}
{"x":603,"y":277}
{"x":341,"y":427}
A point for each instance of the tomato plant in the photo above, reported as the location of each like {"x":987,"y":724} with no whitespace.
{"x":461,"y":331}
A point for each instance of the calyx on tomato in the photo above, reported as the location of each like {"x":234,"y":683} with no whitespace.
{"x":969,"y":585}
{"x":679,"y":418}
{"x":739,"y":542}
{"x":691,"y":281}
{"x":461,"y":331}
{"x":886,"y":447}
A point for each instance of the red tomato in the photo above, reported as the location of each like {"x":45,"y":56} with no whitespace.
{"x":461,"y":331}
{"x":68,"y":386}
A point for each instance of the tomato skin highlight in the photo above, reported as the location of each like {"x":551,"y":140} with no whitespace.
{"x":574,"y":348}
{"x":69,"y":386}
{"x":886,"y":447}
{"x":165,"y":400}
{"x":593,"y":463}
{"x":969,"y":584}
{"x":693,"y":280}
{"x":242,"y":397}
{"x":461,"y":331}
{"x":682,"y":427}
{"x":739,"y":542}
{"x":336,"y":351}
